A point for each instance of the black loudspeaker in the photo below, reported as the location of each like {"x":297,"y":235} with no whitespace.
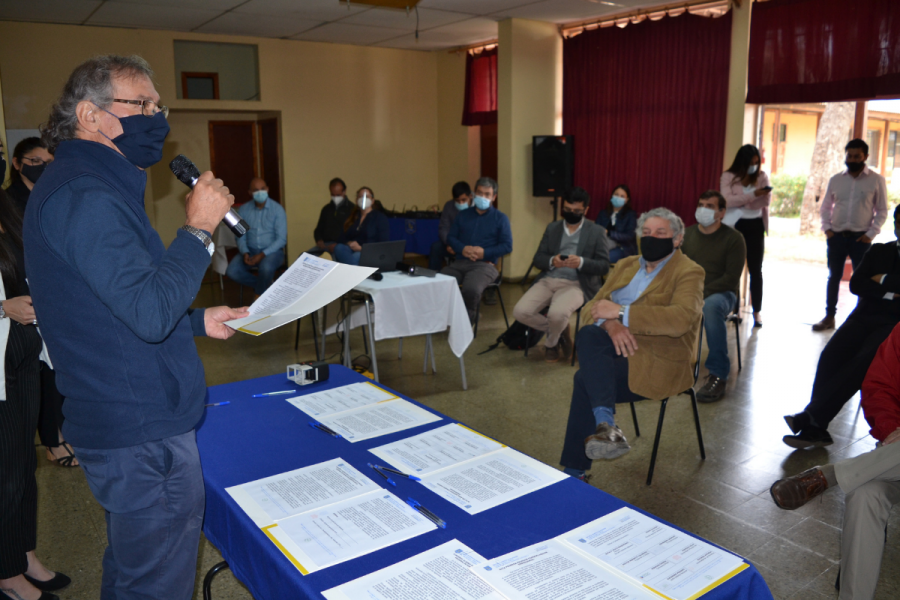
{"x":553,"y":165}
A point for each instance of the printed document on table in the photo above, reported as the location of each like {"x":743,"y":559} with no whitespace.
{"x":668,"y":561}
{"x":309,"y":284}
{"x":491,"y":480}
{"x":436,"y":449}
{"x":271,"y":499}
{"x":335,"y":400}
{"x":552,"y":570}
{"x":374,"y":420}
{"x":351,"y":528}
{"x":442,"y":572}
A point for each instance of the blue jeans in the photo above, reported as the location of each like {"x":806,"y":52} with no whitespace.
{"x":343,"y":254}
{"x":242,"y":273}
{"x":154,"y":500}
{"x":716,"y":309}
{"x":616,"y":254}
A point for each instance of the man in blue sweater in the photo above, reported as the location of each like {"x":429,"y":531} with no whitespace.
{"x":479,"y":237}
{"x":113,"y":304}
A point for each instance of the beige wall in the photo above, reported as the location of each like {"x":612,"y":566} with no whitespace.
{"x":453,"y":148}
{"x":529,"y":104}
{"x":735,"y":119}
{"x":368,"y":115}
{"x":798,"y":149}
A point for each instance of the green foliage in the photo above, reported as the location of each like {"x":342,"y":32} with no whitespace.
{"x":787,"y":195}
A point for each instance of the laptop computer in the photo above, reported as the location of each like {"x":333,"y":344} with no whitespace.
{"x":382,"y":255}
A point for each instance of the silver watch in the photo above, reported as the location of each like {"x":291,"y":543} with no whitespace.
{"x":2,"y":311}
{"x":201,"y":235}
{"x":621,"y":314}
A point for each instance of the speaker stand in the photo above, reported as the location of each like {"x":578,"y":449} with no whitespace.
{"x":555,"y":204}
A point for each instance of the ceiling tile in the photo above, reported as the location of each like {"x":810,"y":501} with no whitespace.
{"x":48,"y":11}
{"x":399,"y":19}
{"x":561,"y":11}
{"x":258,"y":25}
{"x":318,"y":10}
{"x":346,"y":33}
{"x":474,"y":7}
{"x":215,"y":5}
{"x":118,"y":14}
{"x":471,"y":31}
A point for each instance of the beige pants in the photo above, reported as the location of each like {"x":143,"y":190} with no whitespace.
{"x":871,"y":482}
{"x":562,"y":295}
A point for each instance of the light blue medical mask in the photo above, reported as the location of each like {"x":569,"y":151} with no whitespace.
{"x":482,"y":203}
{"x":752,"y":169}
{"x":260,"y":196}
{"x":462,"y":206}
{"x":618,"y":201}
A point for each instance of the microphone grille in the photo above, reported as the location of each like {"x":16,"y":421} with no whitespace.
{"x":184,"y":169}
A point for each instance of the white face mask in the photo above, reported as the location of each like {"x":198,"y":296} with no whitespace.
{"x":364,"y":202}
{"x":752,"y":169}
{"x":705,"y":216}
{"x":337,"y":199}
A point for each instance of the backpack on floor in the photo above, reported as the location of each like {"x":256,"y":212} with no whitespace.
{"x":515,"y":339}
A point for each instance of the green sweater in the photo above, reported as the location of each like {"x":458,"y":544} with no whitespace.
{"x":721,"y":254}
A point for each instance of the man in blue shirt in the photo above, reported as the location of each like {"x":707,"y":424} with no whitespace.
{"x":262,"y":247}
{"x":479,"y":238}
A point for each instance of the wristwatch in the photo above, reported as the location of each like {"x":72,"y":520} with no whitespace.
{"x":2,"y":311}
{"x":201,"y":235}
{"x":621,"y":314}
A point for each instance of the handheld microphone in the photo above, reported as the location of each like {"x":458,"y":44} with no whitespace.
{"x":188,"y":174}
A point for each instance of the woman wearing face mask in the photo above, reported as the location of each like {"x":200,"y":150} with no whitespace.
{"x":29,"y":160}
{"x":364,"y":225}
{"x":747,"y":195}
{"x":620,"y":222}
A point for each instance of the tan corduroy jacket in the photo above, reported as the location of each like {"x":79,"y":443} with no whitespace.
{"x":665,"y":321}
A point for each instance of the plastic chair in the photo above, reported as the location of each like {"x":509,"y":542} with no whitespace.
{"x":662,"y":412}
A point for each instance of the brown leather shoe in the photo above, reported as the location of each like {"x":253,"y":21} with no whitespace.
{"x":824,"y":325}
{"x":551,"y":355}
{"x":794,"y":492}
{"x":606,"y":443}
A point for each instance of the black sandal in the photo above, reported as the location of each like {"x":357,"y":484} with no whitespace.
{"x":65,"y":461}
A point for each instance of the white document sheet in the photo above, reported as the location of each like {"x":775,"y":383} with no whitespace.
{"x":436,"y":449}
{"x":329,"y":402}
{"x":553,"y":571}
{"x":308,"y":284}
{"x":442,"y":573}
{"x":280,"y":496}
{"x":351,"y":528}
{"x":374,"y":420}
{"x":491,"y":480}
{"x":664,"y":559}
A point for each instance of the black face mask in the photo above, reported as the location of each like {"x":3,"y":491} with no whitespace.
{"x":855,"y":167}
{"x":571,"y":218}
{"x":2,"y":166}
{"x":33,"y":172}
{"x":654,"y":249}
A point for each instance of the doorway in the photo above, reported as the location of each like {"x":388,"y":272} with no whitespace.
{"x":242,"y":150}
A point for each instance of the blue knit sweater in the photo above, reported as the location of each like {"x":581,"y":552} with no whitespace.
{"x":113,"y":302}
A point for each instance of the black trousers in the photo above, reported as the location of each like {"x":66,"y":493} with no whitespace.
{"x":50,"y":419}
{"x":754,"y":232}
{"x":840,"y":246}
{"x":844,"y":362}
{"x":18,"y":461}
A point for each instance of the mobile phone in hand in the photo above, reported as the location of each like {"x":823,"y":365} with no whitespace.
{"x":768,"y":188}
{"x":563,"y":257}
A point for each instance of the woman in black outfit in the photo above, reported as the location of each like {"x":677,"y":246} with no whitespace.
{"x":22,"y":576}
{"x":364,"y":225}
{"x":29,"y":160}
{"x":620,"y":222}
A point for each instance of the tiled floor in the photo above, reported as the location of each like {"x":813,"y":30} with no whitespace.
{"x":524,"y":402}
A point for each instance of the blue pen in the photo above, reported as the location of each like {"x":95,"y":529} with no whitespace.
{"x":377,"y":470}
{"x":324,"y":429}
{"x":396,"y":472}
{"x":274,"y":393}
{"x":427,"y":513}
{"x":219,"y":403}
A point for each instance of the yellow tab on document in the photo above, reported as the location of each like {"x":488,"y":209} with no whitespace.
{"x":714,"y":584}
{"x":284,"y":551}
{"x":481,"y":434}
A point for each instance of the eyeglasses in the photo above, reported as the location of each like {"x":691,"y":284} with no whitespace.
{"x":35,"y":161}
{"x":148,"y":107}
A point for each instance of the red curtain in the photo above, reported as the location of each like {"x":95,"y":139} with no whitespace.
{"x":481,"y":89}
{"x":646,"y":105}
{"x":824,"y":50}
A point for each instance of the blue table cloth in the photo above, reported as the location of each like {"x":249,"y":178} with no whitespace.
{"x":419,"y":234}
{"x":253,"y":438}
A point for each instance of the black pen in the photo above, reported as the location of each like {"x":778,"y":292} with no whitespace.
{"x":377,"y":470}
{"x":396,"y":472}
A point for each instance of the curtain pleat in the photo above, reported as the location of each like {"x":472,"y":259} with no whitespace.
{"x":480,"y":106}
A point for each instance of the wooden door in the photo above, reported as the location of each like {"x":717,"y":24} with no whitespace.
{"x":234,"y":155}
{"x":269,"y":159}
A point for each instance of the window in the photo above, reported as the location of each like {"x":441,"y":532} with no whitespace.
{"x":216,"y":71}
{"x":873,"y":139}
{"x":782,"y":132}
{"x":200,"y":86}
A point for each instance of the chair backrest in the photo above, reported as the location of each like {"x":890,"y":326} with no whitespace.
{"x":699,"y":351}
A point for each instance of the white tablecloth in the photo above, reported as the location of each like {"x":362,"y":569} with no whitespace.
{"x":405,"y":306}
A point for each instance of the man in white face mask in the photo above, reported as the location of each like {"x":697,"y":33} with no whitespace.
{"x":332,"y":217}
{"x":721,"y":251}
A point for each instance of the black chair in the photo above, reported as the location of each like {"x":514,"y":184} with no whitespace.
{"x":496,"y":284}
{"x":662,"y":413}
{"x":577,"y":324}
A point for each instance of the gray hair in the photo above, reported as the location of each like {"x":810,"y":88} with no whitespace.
{"x":487,"y":182}
{"x":663,"y":213}
{"x":92,"y":80}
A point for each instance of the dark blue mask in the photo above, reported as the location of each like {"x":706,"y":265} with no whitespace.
{"x":142,"y":138}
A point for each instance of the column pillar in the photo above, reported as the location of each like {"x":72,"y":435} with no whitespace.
{"x":529,"y":99}
{"x":737,"y":80}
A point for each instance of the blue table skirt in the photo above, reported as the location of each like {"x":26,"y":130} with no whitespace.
{"x":257,"y":437}
{"x":419,"y":234}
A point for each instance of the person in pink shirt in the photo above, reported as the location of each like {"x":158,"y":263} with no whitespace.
{"x":747,"y":195}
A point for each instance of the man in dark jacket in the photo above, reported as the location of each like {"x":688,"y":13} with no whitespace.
{"x":845,"y":360}
{"x":462,"y":199}
{"x":572,"y":258}
{"x":114,"y":311}
{"x":331,"y":218}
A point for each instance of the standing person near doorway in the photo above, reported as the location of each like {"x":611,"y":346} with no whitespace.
{"x":853,"y":210}
{"x":747,"y":195}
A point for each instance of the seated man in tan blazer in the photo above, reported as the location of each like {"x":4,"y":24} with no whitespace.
{"x":639,"y":340}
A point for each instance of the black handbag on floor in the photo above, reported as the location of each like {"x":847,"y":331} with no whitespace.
{"x":515,"y":337}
